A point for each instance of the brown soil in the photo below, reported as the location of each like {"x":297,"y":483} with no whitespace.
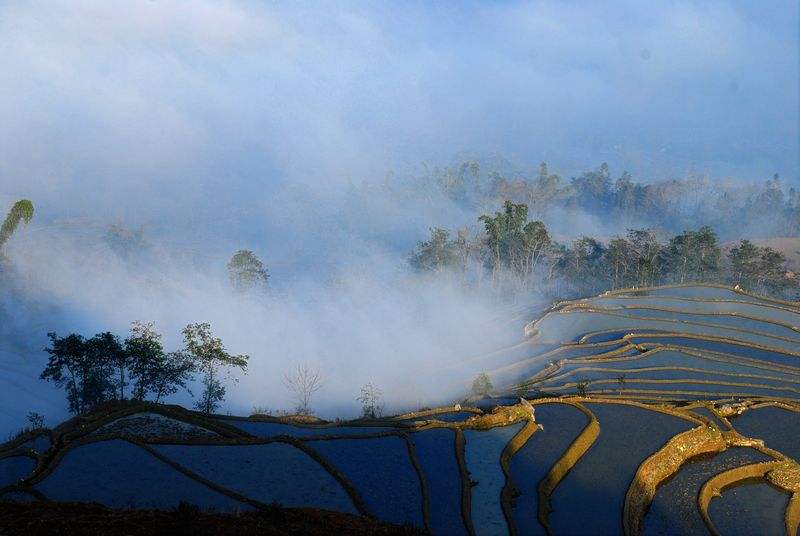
{"x":61,"y":519}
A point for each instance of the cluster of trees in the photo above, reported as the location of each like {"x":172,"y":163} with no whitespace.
{"x":515,"y":251}
{"x":673,"y":204}
{"x":105,"y":368}
{"x":758,"y":269}
{"x":246,"y":272}
{"x":509,"y":245}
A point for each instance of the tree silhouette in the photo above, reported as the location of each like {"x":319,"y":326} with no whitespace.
{"x":303,"y":382}
{"x":210,"y":358}
{"x":371,"y":406}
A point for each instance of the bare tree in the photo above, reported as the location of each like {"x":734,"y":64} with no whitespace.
{"x":303,"y":383}
{"x":370,"y":399}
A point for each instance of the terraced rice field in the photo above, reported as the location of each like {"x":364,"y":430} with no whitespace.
{"x":672,"y":410}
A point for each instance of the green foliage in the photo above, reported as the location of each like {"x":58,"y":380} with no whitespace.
{"x":592,"y":190}
{"x":213,"y":393}
{"x":583,"y":265}
{"x":759,"y":270}
{"x":172,"y":372}
{"x":644,"y":251}
{"x":772,"y":274}
{"x":512,"y":245}
{"x":64,"y":367}
{"x":81,"y":367}
{"x":504,"y":231}
{"x":582,"y":388}
{"x":99,"y":369}
{"x":633,"y":261}
{"x":210,"y":358}
{"x":144,"y":355}
{"x":518,"y":254}
{"x":22,"y":211}
{"x":693,"y":256}
{"x":535,"y":241}
{"x":673,"y":205}
{"x":481,"y":385}
{"x":105,"y":354}
{"x":153,"y":371}
{"x":515,"y":243}
{"x":371,"y":405}
{"x":246,"y":271}
{"x":745,"y":264}
{"x":437,"y":254}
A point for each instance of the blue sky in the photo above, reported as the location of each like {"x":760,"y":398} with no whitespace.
{"x":127,"y":102}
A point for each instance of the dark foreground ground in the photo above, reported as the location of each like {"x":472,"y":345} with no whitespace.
{"x":55,"y":519}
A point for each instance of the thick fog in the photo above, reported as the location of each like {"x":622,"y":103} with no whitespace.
{"x":218,"y":126}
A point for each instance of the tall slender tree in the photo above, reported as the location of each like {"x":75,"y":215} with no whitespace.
{"x":644,"y":250}
{"x":107,"y":359}
{"x":66,"y":367}
{"x":211,"y":359}
{"x":745,"y":260}
{"x":22,"y":211}
{"x":504,"y":231}
{"x":173,"y":371}
{"x":303,"y":383}
{"x":145,"y":354}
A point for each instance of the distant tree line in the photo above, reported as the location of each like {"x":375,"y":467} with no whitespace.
{"x":105,"y":367}
{"x":768,"y":209}
{"x":514,"y":253}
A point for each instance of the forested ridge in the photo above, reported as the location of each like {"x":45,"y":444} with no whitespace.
{"x":513,"y":254}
